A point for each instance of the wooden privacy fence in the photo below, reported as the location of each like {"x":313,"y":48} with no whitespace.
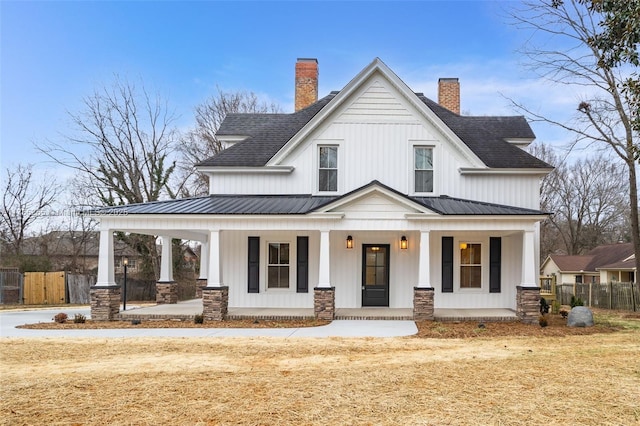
{"x":44,"y":288}
{"x":78,"y":288}
{"x":612,"y":295}
{"x":54,"y":288}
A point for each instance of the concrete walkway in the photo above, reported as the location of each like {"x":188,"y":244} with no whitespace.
{"x":339,"y":328}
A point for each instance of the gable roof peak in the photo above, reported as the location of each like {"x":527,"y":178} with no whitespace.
{"x":269,"y":137}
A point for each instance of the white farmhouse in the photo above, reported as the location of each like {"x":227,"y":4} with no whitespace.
{"x":371,"y":196}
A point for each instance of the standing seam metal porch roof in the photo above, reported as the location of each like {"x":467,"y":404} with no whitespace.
{"x":295,"y":205}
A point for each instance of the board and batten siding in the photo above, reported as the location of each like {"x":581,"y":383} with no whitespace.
{"x":346,"y":269}
{"x":375,"y":132}
{"x":235,"y":270}
{"x":511,"y":273}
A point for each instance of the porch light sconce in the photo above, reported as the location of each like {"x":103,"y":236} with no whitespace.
{"x":463,"y":246}
{"x":404,"y":243}
{"x":349,"y":242}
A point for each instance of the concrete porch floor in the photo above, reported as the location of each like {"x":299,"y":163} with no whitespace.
{"x":186,"y":310}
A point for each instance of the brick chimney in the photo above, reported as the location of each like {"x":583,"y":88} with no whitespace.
{"x":449,"y":94}
{"x":306,"y":82}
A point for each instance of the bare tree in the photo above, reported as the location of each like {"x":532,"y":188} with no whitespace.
{"x":201,"y":142}
{"x":80,"y":229}
{"x":123,"y":149}
{"x":24,"y":201}
{"x":587,"y":199}
{"x":605,"y":116}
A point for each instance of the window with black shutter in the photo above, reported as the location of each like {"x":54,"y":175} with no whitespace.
{"x":254,"y":265}
{"x":447,"y":264}
{"x":302,"y":265}
{"x":495,"y":264}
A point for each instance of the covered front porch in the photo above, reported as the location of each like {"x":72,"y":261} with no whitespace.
{"x":338,"y":258}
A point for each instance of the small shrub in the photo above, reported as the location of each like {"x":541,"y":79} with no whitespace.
{"x":544,"y":306}
{"x":555,"y":307}
{"x":79,"y":319}
{"x":60,"y":318}
{"x":576,"y":301}
{"x":543,"y":321}
{"x":199,"y":319}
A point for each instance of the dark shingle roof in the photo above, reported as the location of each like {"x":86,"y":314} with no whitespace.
{"x":609,"y":255}
{"x":268,"y":133}
{"x":571,"y":263}
{"x":485,"y":136}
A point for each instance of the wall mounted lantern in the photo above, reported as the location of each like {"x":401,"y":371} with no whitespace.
{"x":404,"y":243}
{"x":463,"y":246}
{"x":349,"y":242}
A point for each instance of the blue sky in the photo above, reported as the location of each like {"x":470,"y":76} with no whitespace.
{"x":53,"y":53}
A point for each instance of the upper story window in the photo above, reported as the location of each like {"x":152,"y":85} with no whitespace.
{"x":328,"y":168}
{"x":470,"y":265}
{"x":423,"y":168}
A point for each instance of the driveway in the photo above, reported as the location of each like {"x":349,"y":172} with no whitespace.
{"x":339,"y":328}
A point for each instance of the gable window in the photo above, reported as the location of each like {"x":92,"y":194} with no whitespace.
{"x":328,"y":168}
{"x":278,"y":267}
{"x":470,"y":265}
{"x":423,"y":168}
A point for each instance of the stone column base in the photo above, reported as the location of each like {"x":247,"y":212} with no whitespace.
{"x":528,"y":304}
{"x":200,"y":284}
{"x":105,"y":302}
{"x":423,"y":303}
{"x":166,"y":292}
{"x":215,"y":303}
{"x":324,"y":303}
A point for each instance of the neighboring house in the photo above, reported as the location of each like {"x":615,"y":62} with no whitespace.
{"x":76,"y":251}
{"x":371,"y":196}
{"x":606,"y":263}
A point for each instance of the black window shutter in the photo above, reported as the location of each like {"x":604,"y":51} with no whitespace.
{"x":254,"y":265}
{"x":447,"y":264}
{"x":302,"y":269}
{"x":495,"y":264}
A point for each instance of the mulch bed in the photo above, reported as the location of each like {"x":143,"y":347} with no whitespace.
{"x":247,"y":323}
{"x":557,"y":327}
{"x":426,"y":329}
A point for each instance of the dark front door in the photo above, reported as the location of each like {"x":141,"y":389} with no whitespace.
{"x":375,"y":275}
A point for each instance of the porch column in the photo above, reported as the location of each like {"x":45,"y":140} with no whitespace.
{"x":529,"y":273}
{"x":213,"y":265}
{"x":528,"y":293}
{"x":215,"y":296}
{"x":324,"y":294}
{"x":166,"y":287}
{"x":423,"y":293}
{"x":324,"y":275}
{"x":424,"y":267}
{"x":204,"y":268}
{"x":105,"y":295}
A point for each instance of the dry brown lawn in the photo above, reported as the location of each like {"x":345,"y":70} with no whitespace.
{"x":481,"y":380}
